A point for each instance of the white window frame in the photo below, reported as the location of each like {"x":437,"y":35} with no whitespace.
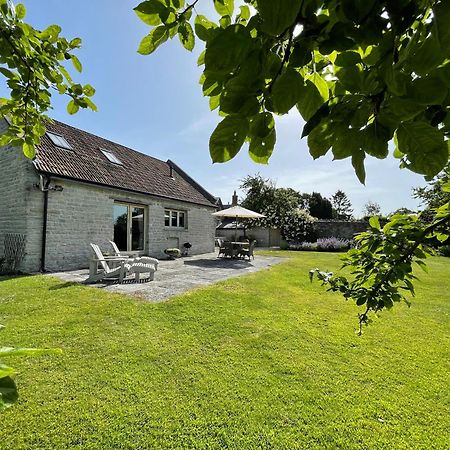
{"x":111,"y":157}
{"x":59,"y":140}
{"x":178,"y":213}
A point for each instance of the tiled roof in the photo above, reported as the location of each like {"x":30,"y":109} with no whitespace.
{"x":139,"y":172}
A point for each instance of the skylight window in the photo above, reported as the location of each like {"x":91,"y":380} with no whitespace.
{"x":59,"y":140}
{"x":111,"y":157}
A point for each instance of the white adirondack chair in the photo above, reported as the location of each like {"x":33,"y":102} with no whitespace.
{"x":143,"y":259}
{"x":124,"y":267}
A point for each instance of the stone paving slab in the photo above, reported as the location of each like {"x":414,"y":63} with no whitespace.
{"x":175,"y":277}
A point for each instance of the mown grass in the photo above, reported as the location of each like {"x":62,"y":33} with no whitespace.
{"x":263,"y":361}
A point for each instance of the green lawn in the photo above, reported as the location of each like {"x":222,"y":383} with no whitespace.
{"x":263,"y":361}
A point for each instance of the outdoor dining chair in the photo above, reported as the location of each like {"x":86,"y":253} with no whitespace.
{"x":248,"y":251}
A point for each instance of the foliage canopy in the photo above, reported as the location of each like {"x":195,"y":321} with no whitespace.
{"x":360,"y":74}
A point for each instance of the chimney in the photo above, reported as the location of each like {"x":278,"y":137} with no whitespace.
{"x":234,"y":199}
{"x":171,"y":171}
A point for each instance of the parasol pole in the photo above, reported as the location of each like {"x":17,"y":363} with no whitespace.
{"x":235,"y":231}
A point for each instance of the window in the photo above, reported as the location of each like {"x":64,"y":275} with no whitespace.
{"x":59,"y":140}
{"x":174,"y":219}
{"x":129,"y":226}
{"x":111,"y":157}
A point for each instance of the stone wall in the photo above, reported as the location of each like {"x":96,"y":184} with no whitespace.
{"x":339,"y":228}
{"x":83,"y":213}
{"x":16,"y":188}
{"x":324,"y":228}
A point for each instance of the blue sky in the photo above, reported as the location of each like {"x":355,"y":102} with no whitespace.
{"x":154,"y":104}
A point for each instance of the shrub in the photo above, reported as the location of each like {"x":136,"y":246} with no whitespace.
{"x":323,"y":245}
{"x":304,"y":246}
{"x":333,"y":244}
{"x":445,"y":250}
{"x":298,"y":226}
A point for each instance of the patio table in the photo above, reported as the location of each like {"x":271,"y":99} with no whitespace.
{"x":236,"y":248}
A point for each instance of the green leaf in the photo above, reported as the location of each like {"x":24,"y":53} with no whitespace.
{"x":428,"y":91}
{"x":76,"y":63}
{"x":90,"y":104}
{"x":321,"y":85}
{"x":244,"y":12}
{"x":351,"y":78}
{"x":224,"y":7}
{"x":72,"y":107}
{"x":20,"y":11}
{"x":277,"y":15}
{"x":442,"y":14}
{"x":322,"y":112}
{"x":186,"y":34}
{"x":88,"y":90}
{"x":75,"y":42}
{"x":319,"y":140}
{"x":374,"y":222}
{"x":150,"y":11}
{"x":153,"y":40}
{"x":404,"y":108}
{"x":242,"y":103}
{"x":6,"y":371}
{"x":228,"y":138}
{"x":204,"y":28}
{"x":375,"y":140}
{"x":225,"y":21}
{"x":228,"y":49}
{"x":286,"y":91}
{"x":8,"y":392}
{"x":347,"y":59}
{"x":28,"y":150}
{"x":358,"y":165}
{"x":201,"y":59}
{"x":262,"y":125}
{"x":260,"y":149}
{"x":214,"y":102}
{"x":424,"y":146}
{"x":427,"y":56}
{"x":310,"y":100}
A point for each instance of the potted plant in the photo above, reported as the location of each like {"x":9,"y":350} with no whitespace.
{"x":172,"y":253}
{"x":187,"y":246}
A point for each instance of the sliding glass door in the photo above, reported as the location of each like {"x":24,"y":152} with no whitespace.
{"x":129,"y":226}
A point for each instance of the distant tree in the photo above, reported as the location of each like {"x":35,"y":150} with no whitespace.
{"x":320,"y":207}
{"x":262,"y":195}
{"x":434,"y":195}
{"x":371,"y":209}
{"x":402,"y":210}
{"x":342,"y":205}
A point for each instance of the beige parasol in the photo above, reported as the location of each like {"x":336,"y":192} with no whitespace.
{"x":238,"y":212}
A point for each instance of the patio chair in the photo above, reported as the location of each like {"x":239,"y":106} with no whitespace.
{"x":121,"y":271}
{"x":142,"y":259}
{"x":248,"y":251}
{"x":226,"y":249}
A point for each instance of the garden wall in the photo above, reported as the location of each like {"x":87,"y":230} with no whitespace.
{"x":339,"y":228}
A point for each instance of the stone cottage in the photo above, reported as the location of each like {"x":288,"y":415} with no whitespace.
{"x":82,"y":188}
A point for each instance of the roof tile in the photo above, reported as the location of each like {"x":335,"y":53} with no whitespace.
{"x":139,"y":172}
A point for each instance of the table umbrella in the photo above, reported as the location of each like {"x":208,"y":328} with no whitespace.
{"x":238,"y":212}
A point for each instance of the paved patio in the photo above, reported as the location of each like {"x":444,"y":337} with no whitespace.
{"x":175,"y":277}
